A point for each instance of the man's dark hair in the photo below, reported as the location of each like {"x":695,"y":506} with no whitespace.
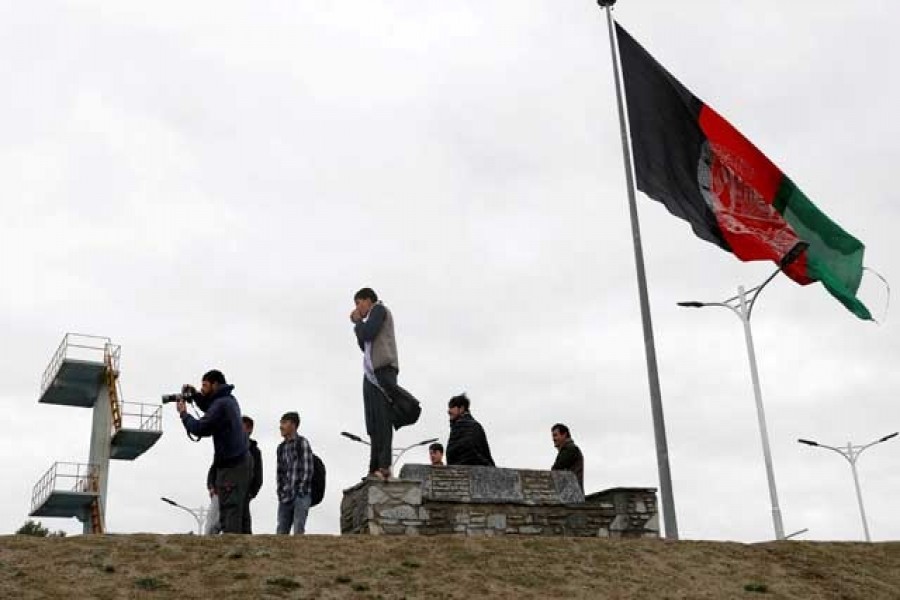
{"x":291,"y":416}
{"x":247,"y":421}
{"x":366,"y":294}
{"x":462,"y":401}
{"x":214,"y":376}
{"x":562,"y":429}
{"x":436,"y":447}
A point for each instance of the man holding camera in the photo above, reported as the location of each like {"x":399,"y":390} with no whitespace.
{"x":232,"y":462}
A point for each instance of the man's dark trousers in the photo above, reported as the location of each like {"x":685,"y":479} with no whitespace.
{"x":233,"y":489}
{"x":246,"y":521}
{"x":379,"y":425}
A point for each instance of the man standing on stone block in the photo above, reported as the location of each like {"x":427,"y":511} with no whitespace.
{"x":467,"y":444}
{"x":387,"y":406}
{"x":568,"y":457}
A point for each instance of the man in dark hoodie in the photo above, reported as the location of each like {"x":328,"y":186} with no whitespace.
{"x":467,"y":444}
{"x":231,"y":459}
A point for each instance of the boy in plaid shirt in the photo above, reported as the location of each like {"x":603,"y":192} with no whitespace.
{"x":295,"y":471}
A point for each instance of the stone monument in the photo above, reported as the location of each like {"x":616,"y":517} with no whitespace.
{"x":428,"y":500}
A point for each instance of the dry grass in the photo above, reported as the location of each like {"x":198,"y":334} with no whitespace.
{"x":159,"y":566}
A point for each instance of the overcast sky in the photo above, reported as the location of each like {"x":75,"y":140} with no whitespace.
{"x":208,"y":183}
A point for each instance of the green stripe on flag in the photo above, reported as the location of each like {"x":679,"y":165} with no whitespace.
{"x":834,"y":257}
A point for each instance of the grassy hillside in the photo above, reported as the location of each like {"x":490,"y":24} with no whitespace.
{"x":159,"y":566}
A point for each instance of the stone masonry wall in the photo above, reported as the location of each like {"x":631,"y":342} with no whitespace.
{"x":489,"y":501}
{"x":383,"y":507}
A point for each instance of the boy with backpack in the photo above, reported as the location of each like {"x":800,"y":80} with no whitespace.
{"x":295,"y":476}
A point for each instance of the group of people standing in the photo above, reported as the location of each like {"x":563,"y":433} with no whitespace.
{"x":386,"y":404}
{"x":236,"y":474}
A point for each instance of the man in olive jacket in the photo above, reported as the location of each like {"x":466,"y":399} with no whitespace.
{"x":467,"y":444}
{"x":568,"y":457}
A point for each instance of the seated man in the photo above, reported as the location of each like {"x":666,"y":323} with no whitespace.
{"x":568,"y":457}
{"x":467,"y":444}
{"x":436,"y":454}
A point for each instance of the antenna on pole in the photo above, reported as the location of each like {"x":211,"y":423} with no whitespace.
{"x":659,"y":425}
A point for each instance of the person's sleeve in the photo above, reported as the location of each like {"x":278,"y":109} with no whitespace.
{"x":211,"y":477}
{"x":206,"y":425}
{"x":367,"y":330}
{"x":306,"y":466}
{"x":294,"y":474}
{"x":279,"y":473}
{"x":257,"y":473}
{"x":453,"y":447}
{"x":565,"y":460}
{"x":484,"y":447}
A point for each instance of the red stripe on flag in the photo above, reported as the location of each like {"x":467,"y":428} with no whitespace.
{"x":739,"y":183}
{"x":740,"y":155}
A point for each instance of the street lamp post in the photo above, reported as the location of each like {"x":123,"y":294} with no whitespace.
{"x":743,"y":309}
{"x":397,"y":452}
{"x":198,"y":514}
{"x":851,"y":453}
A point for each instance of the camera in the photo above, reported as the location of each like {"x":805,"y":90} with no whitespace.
{"x":188,"y":394}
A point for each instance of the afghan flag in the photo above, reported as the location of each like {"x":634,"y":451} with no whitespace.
{"x":704,"y":171}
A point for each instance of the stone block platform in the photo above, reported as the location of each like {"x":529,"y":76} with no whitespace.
{"x":428,"y":500}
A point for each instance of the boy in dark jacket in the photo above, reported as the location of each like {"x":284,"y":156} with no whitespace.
{"x":467,"y":444}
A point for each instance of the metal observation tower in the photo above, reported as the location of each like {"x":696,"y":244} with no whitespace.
{"x":84,"y":372}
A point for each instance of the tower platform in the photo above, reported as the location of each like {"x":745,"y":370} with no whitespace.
{"x":65,"y":490}
{"x":75,"y":374}
{"x":141,"y":427}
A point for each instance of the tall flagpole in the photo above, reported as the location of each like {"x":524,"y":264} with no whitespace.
{"x":659,"y":423}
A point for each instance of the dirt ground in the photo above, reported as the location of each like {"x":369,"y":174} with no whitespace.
{"x":184,"y":566}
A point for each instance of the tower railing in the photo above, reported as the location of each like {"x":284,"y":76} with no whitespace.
{"x":76,"y":477}
{"x":142,"y":416}
{"x":79,"y":347}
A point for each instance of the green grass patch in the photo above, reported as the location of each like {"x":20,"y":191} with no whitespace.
{"x":283,"y":582}
{"x":759,"y":588}
{"x":150,"y":583}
